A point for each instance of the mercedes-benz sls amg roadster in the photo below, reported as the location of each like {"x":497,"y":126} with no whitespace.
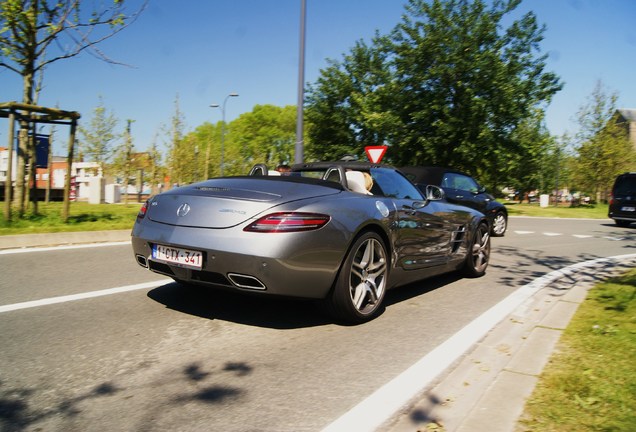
{"x":341,"y":232}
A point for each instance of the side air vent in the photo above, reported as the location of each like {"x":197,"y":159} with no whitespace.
{"x":458,"y":237}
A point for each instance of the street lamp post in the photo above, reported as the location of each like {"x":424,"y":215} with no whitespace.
{"x":222,"y":131}
{"x":299,"y":147}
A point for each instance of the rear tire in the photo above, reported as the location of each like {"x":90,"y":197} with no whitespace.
{"x":361,"y":284}
{"x":478,"y":254}
{"x":622,"y":223}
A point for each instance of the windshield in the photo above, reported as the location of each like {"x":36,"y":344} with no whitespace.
{"x":395,"y":185}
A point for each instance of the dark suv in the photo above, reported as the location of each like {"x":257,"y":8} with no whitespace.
{"x":622,"y":206}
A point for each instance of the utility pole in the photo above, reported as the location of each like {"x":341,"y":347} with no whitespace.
{"x":299,"y":148}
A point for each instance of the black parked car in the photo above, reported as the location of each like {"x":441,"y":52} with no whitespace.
{"x":622,"y":206}
{"x":460,"y":188}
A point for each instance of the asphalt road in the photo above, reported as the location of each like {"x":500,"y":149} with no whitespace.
{"x":153,"y":357}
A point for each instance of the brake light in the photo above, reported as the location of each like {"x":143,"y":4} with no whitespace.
{"x":288,"y":222}
{"x":142,"y":210}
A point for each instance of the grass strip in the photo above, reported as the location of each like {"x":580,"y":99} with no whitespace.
{"x":82,"y":217}
{"x":589,"y":383}
{"x":597,"y":211}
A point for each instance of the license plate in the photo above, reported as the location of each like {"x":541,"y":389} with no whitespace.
{"x":177,"y":256}
{"x":628,"y":209}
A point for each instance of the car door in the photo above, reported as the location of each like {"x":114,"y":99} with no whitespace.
{"x":464,"y":190}
{"x":422,"y":231}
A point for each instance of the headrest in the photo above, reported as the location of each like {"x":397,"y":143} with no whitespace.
{"x":356,"y":182}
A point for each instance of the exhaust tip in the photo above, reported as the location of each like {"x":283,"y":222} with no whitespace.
{"x":246,"y":281}
{"x":142,"y":261}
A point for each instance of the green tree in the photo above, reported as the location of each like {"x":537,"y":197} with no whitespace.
{"x":534,"y":163}
{"x":465,"y":85}
{"x":178,"y":150}
{"x":604,"y":150}
{"x":156,"y":170}
{"x":349,"y":107}
{"x":449,"y":83}
{"x":122,"y":160}
{"x":98,"y":138}
{"x":264,"y":135}
{"x":37,"y":33}
{"x":199,"y":152}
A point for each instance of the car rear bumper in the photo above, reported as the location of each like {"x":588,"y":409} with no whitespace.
{"x":275,"y":264}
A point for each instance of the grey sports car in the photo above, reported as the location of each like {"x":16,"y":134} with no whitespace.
{"x":342,"y":232}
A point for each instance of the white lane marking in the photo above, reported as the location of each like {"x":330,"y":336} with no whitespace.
{"x":562,"y":218}
{"x":580,"y":236}
{"x":55,"y":248}
{"x":381,"y":405}
{"x":81,"y":296}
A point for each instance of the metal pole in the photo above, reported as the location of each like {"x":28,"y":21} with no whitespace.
{"x":299,"y":153}
{"x":66,"y":208}
{"x":223,"y":128}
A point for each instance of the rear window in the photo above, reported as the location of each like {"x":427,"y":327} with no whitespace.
{"x":625,"y":185}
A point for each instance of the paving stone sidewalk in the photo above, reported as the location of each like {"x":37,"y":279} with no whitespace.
{"x":487,"y":389}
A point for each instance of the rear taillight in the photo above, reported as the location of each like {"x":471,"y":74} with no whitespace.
{"x":288,"y":222}
{"x":142,"y":210}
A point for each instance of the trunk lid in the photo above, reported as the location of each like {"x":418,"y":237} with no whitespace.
{"x":226,"y":202}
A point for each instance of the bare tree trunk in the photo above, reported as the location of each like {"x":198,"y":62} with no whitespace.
{"x":21,"y":160}
{"x":23,"y":146}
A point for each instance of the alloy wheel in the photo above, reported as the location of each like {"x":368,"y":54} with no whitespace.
{"x":367,"y":278}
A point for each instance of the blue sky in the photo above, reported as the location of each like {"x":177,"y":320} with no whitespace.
{"x":204,"y":50}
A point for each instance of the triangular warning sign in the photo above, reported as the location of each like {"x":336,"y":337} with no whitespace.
{"x":375,"y":153}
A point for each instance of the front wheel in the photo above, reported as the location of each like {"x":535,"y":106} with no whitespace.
{"x":361,"y":284}
{"x":478,"y":254}
{"x":499,"y":224}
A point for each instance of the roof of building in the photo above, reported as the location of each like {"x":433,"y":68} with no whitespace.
{"x":628,"y":114}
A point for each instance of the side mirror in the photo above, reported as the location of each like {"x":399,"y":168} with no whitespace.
{"x":434,"y":193}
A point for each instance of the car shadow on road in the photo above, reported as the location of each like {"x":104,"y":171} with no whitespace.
{"x":271,"y":312}
{"x":416,"y":289}
{"x":242,"y":308}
